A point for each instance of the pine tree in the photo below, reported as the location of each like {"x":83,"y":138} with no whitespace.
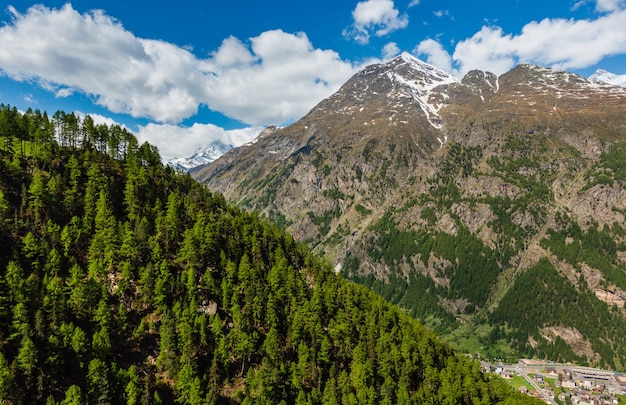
{"x":73,"y":396}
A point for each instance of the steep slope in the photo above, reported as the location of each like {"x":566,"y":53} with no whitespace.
{"x":124,"y":282}
{"x":381,"y":108}
{"x":442,"y":194}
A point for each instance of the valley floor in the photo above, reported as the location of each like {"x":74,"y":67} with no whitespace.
{"x":557,"y":383}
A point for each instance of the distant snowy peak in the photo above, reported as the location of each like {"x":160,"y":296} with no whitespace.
{"x":202,"y":156}
{"x":602,"y":76}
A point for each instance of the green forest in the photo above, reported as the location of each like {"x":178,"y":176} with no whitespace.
{"x":126,"y":282}
{"x":540,"y":297}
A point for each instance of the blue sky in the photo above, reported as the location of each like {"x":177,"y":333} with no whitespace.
{"x":179,"y":74}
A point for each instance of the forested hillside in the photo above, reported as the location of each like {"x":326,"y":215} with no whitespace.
{"x":125,"y":282}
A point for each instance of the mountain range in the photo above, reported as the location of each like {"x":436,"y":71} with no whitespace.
{"x":208,"y":153}
{"x":490,"y":207}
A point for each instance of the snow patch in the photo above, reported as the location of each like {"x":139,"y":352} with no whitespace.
{"x":420,"y":91}
{"x":421,"y":85}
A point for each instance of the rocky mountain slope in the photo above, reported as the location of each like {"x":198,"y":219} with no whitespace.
{"x":490,"y":207}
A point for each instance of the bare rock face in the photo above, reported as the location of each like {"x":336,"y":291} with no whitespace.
{"x":440,"y":193}
{"x":572,"y":337}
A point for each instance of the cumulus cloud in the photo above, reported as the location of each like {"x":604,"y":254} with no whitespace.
{"x":273,"y":78}
{"x":609,"y":5}
{"x":375,"y":17}
{"x":559,"y":43}
{"x":188,"y":139}
{"x":278,"y":79}
{"x":63,"y":56}
{"x":390,"y":51}
{"x":436,"y":54}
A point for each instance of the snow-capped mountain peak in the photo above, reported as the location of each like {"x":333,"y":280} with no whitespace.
{"x":396,"y":87}
{"x":202,"y":156}
{"x":602,"y":76}
{"x":438,"y":76}
{"x":419,"y":82}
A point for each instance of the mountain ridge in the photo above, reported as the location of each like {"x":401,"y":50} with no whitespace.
{"x":206,"y":154}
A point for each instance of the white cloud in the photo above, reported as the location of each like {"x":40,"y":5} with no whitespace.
{"x":232,"y":53}
{"x":390,"y":51}
{"x":436,"y":55}
{"x":64,"y":92}
{"x":601,"y":6}
{"x":280,"y":79}
{"x":175,"y":141}
{"x":414,"y":3}
{"x":609,"y":5}
{"x":375,"y":17}
{"x":100,"y":119}
{"x":29,"y":98}
{"x":93,"y":54}
{"x":275,"y":78}
{"x":560,"y":43}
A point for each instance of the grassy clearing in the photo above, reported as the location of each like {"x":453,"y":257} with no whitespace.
{"x":518,"y":381}
{"x":472,"y":339}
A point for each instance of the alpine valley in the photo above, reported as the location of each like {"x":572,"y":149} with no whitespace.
{"x":490,"y":208}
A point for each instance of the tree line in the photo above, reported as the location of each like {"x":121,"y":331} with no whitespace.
{"x":36,"y":134}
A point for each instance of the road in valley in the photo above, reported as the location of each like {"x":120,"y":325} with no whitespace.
{"x":536,"y":386}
